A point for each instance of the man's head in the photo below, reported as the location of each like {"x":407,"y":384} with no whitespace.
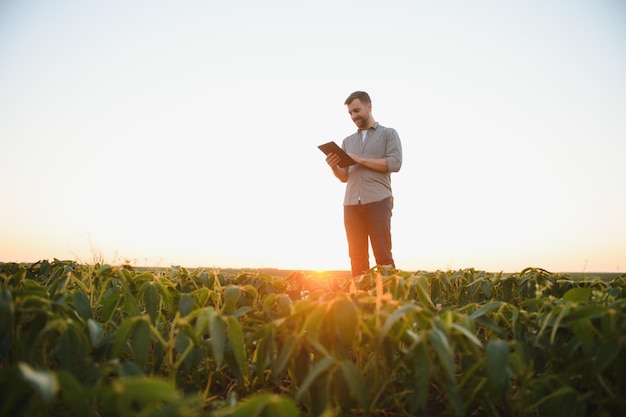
{"x":362,"y":96}
{"x":360,"y":109}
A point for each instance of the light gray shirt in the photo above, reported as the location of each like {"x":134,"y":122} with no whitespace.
{"x":366,"y":185}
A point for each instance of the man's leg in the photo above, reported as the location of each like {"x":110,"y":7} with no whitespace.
{"x":356,"y":232}
{"x":379,"y":230}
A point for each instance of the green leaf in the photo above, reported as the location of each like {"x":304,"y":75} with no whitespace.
{"x":278,"y":406}
{"x":201,"y":295}
{"x":577,"y":295}
{"x":110,"y":304}
{"x":421,"y":375}
{"x":452,"y":391}
{"x":422,"y":292}
{"x":564,"y":390}
{"x":497,"y":353}
{"x":185,"y":305}
{"x":6,"y":311}
{"x":467,"y":334}
{"x":96,"y":332}
{"x":491,"y":306}
{"x":144,"y":390}
{"x":131,"y":306}
{"x":231,"y":298}
{"x":129,"y":369}
{"x":545,"y":322}
{"x":251,"y":407}
{"x":442,"y":348}
{"x":72,"y":347}
{"x":584,"y":331}
{"x":81,"y":302}
{"x":397,"y":315}
{"x":587,"y":311}
{"x":74,"y":394}
{"x":140,"y":341}
{"x":121,"y":336}
{"x":45,"y":383}
{"x":251,"y":292}
{"x":165,"y":288}
{"x":182,"y":343}
{"x":357,"y":384}
{"x":144,"y":277}
{"x":268,"y":302}
{"x":321,"y":367}
{"x":607,"y":353}
{"x":564,"y":311}
{"x":261,"y":405}
{"x":241,"y":311}
{"x":342,"y":317}
{"x":235,"y":335}
{"x":285,"y":354}
{"x":151,"y":301}
{"x":217,"y":329}
{"x":285,"y":305}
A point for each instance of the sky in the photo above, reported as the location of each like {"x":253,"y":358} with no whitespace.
{"x":185,"y":133}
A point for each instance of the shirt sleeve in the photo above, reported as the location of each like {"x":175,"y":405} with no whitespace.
{"x":394,"y":151}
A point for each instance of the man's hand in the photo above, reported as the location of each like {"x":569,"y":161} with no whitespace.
{"x":379,"y":165}
{"x":333,"y":162}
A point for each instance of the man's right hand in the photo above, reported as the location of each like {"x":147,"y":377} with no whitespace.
{"x":333,"y":160}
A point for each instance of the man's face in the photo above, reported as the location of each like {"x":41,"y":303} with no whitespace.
{"x":360,"y":113}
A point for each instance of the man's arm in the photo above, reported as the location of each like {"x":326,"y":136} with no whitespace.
{"x":333,"y":161}
{"x":379,"y":164}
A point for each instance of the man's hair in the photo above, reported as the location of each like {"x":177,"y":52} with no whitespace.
{"x":361,"y":95}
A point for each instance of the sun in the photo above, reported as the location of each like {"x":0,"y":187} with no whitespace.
{"x":302,"y":284}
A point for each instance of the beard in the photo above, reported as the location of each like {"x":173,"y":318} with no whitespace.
{"x":361,"y":122}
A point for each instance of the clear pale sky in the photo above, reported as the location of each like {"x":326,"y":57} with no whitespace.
{"x":186,"y":132}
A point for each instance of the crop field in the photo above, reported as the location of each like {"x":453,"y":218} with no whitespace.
{"x":101,"y":340}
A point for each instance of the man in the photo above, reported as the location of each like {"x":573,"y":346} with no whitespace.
{"x":368,"y":201}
